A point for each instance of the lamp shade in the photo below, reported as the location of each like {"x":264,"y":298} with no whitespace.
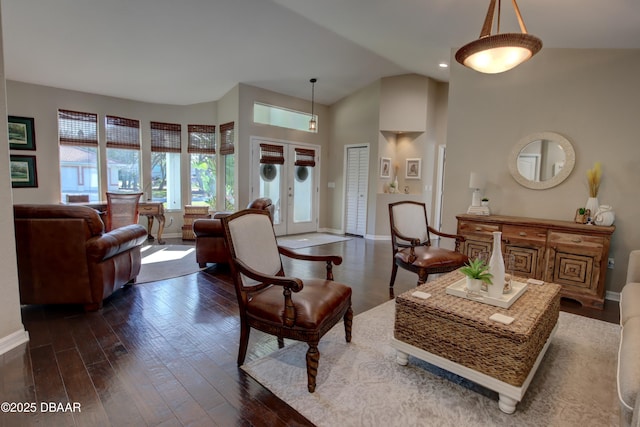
{"x":497,"y":53}
{"x":476,"y":181}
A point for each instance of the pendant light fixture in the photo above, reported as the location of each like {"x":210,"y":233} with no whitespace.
{"x":497,"y":53}
{"x":313,"y":125}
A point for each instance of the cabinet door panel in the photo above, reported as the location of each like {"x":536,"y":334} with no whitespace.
{"x":574,"y":271}
{"x":527,"y":260}
{"x":474,"y":247}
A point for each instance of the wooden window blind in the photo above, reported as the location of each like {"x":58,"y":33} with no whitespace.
{"x":271,"y":154}
{"x":202,"y":139}
{"x":165,"y":137}
{"x":227,"y":136}
{"x":77,"y":128}
{"x":305,"y":157}
{"x":123,"y":133}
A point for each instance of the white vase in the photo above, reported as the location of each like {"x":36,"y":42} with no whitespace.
{"x":593,"y":205}
{"x":496,"y":267}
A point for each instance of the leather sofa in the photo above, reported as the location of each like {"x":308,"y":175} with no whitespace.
{"x":628,"y":374}
{"x":210,"y":236}
{"x":66,"y":257}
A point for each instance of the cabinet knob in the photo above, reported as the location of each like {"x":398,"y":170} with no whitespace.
{"x":478,"y":228}
{"x":522,"y":233}
{"x":576,"y":240}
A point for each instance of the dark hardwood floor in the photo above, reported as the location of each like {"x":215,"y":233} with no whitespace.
{"x":164,"y":353}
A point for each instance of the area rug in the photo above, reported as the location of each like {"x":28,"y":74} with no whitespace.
{"x":161,"y":262}
{"x":311,"y":239}
{"x":360,"y":383}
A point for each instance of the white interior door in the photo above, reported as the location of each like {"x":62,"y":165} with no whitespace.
{"x":287,"y":173}
{"x":357,"y":176}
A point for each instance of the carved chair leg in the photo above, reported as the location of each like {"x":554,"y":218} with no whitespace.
{"x":394,"y":271}
{"x":348,"y":321}
{"x":245,"y":329}
{"x":313,"y":356}
{"x":280,"y":342}
{"x":422,"y":277}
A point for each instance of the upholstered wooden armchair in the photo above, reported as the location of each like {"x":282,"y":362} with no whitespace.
{"x":411,"y":241}
{"x":122,"y":209}
{"x":284,"y":306}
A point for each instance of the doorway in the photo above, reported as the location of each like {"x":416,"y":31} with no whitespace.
{"x":287,"y":173}
{"x":356,"y":187}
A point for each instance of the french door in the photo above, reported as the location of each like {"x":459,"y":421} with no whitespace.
{"x":287,"y":173}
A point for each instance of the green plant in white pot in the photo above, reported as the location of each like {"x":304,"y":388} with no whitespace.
{"x":477,"y":272}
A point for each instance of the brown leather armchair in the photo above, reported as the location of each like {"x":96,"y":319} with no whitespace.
{"x":65,"y":257}
{"x":210,"y":235}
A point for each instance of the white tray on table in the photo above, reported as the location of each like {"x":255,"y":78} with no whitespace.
{"x":459,"y":289}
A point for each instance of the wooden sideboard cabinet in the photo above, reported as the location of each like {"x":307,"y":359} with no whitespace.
{"x":570,"y":254}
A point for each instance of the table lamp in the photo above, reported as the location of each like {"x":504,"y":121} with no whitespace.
{"x":477,"y":183}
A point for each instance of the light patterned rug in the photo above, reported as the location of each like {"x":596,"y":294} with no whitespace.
{"x":298,"y":241}
{"x":161,"y":262}
{"x":360,"y":383}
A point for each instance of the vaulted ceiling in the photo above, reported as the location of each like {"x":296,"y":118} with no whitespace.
{"x":191,"y":51}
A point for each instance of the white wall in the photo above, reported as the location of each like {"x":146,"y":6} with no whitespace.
{"x":590,"y":97}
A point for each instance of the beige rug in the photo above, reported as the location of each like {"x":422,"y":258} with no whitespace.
{"x":298,"y":241}
{"x":161,"y":262}
{"x":360,"y":384}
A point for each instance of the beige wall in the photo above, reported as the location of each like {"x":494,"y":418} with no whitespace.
{"x":400,"y":118}
{"x":248,"y":95}
{"x":590,"y":97}
{"x":355,"y":120}
{"x":12,"y":332}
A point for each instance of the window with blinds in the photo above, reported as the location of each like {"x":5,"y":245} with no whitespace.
{"x":202,"y":150}
{"x":123,"y":154}
{"x":166,"y":145}
{"x":227,"y":137}
{"x":78,"y":153}
{"x":166,"y":137}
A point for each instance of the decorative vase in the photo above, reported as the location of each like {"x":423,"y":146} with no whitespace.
{"x":496,"y":267}
{"x":604,"y":215}
{"x":395,"y":183}
{"x":592,"y":205}
{"x":474,"y":285}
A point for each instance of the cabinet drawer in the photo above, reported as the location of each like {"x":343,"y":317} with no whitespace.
{"x":519,"y":233}
{"x":148,"y":210}
{"x":477,"y":228}
{"x":577,"y":240}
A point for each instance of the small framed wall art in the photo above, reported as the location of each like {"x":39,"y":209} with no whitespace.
{"x":414,"y":169}
{"x":22,"y":135}
{"x":23,"y":171}
{"x":385,"y":167}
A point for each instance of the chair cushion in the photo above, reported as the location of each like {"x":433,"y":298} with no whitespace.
{"x":629,"y":363}
{"x":432,"y":257}
{"x":629,"y":298}
{"x":317,"y":301}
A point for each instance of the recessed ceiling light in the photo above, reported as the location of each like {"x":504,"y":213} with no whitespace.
{"x":443,"y":65}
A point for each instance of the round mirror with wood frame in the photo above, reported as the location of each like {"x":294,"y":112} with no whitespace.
{"x":542,"y":160}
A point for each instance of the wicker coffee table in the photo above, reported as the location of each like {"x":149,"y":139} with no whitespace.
{"x":457,"y":335}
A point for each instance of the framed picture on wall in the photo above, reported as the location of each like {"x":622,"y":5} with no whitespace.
{"x":385,"y":167}
{"x":414,"y":169}
{"x":22,"y":135}
{"x":23,"y":171}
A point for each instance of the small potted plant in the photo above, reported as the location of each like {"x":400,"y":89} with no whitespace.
{"x":484,"y":201}
{"x":582,"y":215}
{"x":477,"y":272}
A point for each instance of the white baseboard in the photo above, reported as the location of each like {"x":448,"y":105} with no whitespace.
{"x":612,"y":296}
{"x":13,"y":340}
